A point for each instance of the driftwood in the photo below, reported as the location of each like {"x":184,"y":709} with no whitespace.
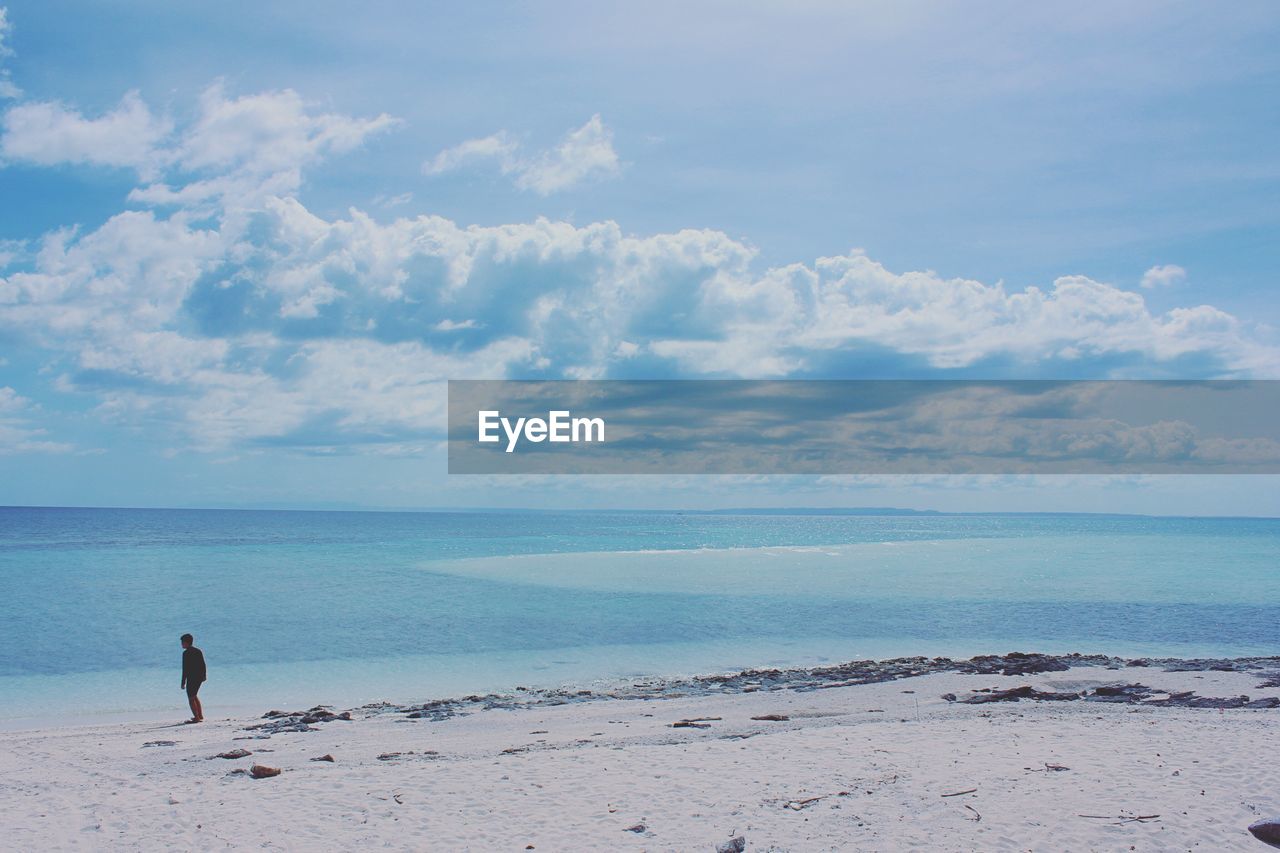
{"x":1123,"y":818}
{"x":961,"y":793}
{"x":797,"y":805}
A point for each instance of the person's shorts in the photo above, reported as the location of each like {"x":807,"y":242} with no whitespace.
{"x":193,"y":689}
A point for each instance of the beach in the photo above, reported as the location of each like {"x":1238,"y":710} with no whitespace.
{"x":1061,"y":753}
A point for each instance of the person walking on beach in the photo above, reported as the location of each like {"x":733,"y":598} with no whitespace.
{"x":193,"y":675}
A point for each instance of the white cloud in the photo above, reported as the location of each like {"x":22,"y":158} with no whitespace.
{"x":8,"y":90}
{"x":585,"y":153}
{"x":453,"y":325}
{"x":18,"y":434}
{"x":254,"y":147}
{"x":385,"y":201}
{"x":268,"y":133}
{"x":498,"y":147}
{"x":237,"y":150}
{"x":47,"y":133}
{"x":10,"y":402}
{"x":1163,"y":276}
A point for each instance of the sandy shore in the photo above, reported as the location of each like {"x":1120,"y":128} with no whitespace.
{"x":881,"y":766}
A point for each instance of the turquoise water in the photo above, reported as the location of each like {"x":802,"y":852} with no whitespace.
{"x":306,"y":607}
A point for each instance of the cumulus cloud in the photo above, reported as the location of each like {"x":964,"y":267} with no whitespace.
{"x":47,"y":133}
{"x":585,"y":154}
{"x":283,"y":327}
{"x":1163,"y":276}
{"x":237,"y":149}
{"x":243,"y":149}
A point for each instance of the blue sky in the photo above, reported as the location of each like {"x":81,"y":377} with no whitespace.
{"x":243,"y":248}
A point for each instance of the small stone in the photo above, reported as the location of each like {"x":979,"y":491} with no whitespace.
{"x":325,"y":757}
{"x":733,"y":845}
{"x":638,"y":828}
{"x":262,"y":771}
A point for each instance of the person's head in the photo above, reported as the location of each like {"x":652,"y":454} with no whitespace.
{"x":186,"y":640}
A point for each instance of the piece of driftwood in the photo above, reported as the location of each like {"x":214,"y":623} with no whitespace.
{"x":1123,"y":818}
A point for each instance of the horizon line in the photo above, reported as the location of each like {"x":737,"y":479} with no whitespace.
{"x":763,"y":510}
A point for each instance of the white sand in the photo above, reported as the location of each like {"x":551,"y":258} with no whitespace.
{"x":604,"y":766}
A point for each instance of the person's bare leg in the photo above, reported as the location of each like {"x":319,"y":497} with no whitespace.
{"x":197,"y":713}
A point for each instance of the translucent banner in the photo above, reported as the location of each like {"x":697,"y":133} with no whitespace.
{"x":864,"y":427}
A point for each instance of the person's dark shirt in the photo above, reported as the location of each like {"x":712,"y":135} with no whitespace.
{"x":192,"y":666}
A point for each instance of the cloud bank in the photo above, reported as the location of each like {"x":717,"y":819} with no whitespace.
{"x":217,"y":308}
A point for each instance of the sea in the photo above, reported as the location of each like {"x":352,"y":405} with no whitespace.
{"x":295,"y":609}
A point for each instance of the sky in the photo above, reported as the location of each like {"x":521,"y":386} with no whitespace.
{"x":242,"y":248}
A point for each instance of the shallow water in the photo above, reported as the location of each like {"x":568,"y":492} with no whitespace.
{"x":298,"y":608}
